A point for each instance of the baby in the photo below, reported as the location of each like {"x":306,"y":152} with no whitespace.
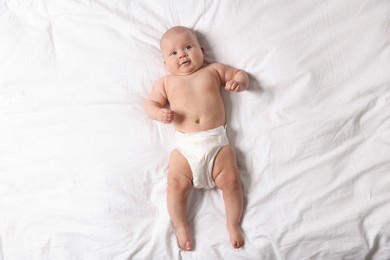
{"x":203,"y":158}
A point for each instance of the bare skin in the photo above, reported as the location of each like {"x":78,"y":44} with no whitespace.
{"x":192,"y":91}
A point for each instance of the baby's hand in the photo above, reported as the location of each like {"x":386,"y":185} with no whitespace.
{"x":165,"y":115}
{"x":234,"y":86}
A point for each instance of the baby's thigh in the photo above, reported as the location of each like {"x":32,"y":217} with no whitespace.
{"x":225,"y":168}
{"x":179,"y":169}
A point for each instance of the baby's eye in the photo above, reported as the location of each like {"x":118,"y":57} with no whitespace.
{"x":188,"y":47}
{"x":172,"y":53}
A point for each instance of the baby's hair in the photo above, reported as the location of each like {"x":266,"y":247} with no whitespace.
{"x":177,"y":29}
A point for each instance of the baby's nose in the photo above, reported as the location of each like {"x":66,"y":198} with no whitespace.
{"x":183,"y":54}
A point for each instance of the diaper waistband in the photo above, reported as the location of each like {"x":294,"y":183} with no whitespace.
{"x":210,"y":132}
{"x":203,"y":138}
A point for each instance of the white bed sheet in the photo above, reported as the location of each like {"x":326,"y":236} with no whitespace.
{"x":83,"y":170}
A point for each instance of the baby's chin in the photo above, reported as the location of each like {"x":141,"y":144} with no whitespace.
{"x":185,"y":72}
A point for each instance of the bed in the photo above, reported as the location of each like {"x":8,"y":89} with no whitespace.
{"x":83,"y":169}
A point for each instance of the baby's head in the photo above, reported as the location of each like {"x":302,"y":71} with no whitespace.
{"x":182,"y":52}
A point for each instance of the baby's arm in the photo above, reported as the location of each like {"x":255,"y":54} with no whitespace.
{"x":240,"y":82}
{"x":234,"y":79}
{"x":154,"y":104}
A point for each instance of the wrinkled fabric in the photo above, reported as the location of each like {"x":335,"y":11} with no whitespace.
{"x":83,"y":169}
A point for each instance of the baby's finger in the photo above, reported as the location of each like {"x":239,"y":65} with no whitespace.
{"x":230,"y":85}
{"x":168,"y":116}
{"x":237,"y":88}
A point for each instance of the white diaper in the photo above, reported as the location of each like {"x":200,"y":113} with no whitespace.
{"x":200,"y":150}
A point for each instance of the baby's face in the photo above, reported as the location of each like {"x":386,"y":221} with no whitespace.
{"x":182,"y":52}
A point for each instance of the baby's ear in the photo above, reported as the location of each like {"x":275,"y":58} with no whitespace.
{"x":202,"y":49}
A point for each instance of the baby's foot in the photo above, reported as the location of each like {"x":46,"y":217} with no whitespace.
{"x":183,"y":237}
{"x":236,"y":236}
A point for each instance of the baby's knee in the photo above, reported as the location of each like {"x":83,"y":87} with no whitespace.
{"x":234,"y":182}
{"x":229,"y":181}
{"x":179,"y":184}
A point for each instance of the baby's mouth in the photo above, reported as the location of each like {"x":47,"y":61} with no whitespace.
{"x":185,"y":62}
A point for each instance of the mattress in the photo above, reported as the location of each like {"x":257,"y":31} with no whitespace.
{"x":83,"y":169}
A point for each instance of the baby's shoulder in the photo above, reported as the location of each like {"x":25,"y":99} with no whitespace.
{"x":216,"y":65}
{"x":219,"y":68}
{"x":211,"y":68}
{"x":167,"y":79}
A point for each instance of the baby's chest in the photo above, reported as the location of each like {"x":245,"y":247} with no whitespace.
{"x":192,"y":87}
{"x":190,"y":92}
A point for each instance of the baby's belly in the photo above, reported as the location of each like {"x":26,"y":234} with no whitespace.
{"x":195,"y":123}
{"x":198,"y":114}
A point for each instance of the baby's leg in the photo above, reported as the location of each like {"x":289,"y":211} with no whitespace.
{"x":179,"y":184}
{"x":227,"y":178}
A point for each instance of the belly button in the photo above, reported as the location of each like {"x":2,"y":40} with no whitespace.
{"x":197,"y":121}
